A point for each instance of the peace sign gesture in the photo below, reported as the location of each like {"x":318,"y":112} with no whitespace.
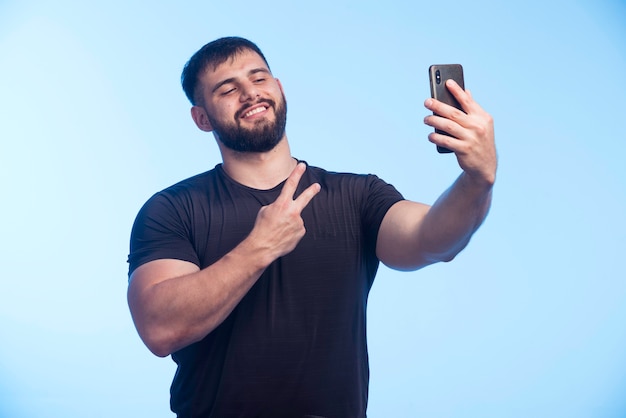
{"x":279,"y":226}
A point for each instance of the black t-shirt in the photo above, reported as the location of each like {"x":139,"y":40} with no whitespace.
{"x":295,"y":345}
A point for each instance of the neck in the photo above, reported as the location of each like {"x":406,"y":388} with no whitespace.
{"x":261,"y":171}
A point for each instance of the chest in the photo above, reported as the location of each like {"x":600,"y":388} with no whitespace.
{"x":333,"y":223}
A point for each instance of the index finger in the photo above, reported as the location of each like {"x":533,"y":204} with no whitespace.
{"x":463,"y":96}
{"x":291,"y":184}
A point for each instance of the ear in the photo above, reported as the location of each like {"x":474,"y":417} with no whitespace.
{"x":199,"y":116}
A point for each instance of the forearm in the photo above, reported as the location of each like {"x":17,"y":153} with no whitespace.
{"x":173,"y":313}
{"x":413,"y":235}
{"x":451,"y":221}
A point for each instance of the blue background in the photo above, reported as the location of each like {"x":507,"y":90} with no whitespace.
{"x":529,"y":321}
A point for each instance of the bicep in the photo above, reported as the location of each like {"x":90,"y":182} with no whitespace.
{"x":397,"y":245}
{"x":153,"y":273}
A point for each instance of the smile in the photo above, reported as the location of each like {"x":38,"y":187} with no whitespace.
{"x":255,"y":111}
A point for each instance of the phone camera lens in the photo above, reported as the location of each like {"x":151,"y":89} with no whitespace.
{"x":438,"y":77}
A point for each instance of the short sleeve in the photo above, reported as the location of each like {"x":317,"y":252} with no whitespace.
{"x":380,"y":196}
{"x":159,"y":232}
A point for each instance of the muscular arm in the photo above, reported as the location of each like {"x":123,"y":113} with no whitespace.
{"x":413,"y":235}
{"x":174,"y":303}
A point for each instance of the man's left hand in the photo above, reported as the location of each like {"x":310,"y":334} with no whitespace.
{"x":472,"y":133}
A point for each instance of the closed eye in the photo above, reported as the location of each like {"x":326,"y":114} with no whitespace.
{"x":227,"y":91}
{"x":258,"y":75}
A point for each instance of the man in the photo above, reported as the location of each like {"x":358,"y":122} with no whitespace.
{"x":254,"y":276}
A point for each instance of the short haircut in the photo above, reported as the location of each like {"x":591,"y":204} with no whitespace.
{"x":213,"y":54}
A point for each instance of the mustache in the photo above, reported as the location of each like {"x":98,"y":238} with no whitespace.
{"x":245,"y":108}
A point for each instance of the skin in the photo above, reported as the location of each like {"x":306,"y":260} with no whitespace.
{"x":174,"y":303}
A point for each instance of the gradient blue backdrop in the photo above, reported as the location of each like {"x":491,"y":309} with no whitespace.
{"x":529,"y":321}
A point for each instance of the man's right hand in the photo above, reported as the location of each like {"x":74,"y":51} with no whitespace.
{"x":279,"y":226}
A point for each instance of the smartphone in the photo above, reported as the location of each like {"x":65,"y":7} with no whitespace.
{"x":438,"y":90}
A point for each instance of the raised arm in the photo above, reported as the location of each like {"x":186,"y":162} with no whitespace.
{"x":173,"y":303}
{"x":413,"y":235}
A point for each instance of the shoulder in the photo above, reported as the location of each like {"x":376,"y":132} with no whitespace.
{"x":364,"y":183}
{"x":177,"y":200}
{"x":199,"y":182}
{"x":340,"y":177}
{"x":186,"y":190}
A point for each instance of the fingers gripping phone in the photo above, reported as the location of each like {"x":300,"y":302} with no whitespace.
{"x":438,"y":90}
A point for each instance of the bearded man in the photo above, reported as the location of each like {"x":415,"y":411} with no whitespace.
{"x":254,"y":275}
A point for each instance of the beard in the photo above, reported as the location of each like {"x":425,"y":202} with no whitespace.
{"x":262,"y":137}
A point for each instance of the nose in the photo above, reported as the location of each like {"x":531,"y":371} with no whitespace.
{"x":249,"y":91}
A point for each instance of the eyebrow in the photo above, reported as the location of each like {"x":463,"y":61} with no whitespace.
{"x":233,"y":79}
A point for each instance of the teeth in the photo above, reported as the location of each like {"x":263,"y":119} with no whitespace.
{"x":255,"y":111}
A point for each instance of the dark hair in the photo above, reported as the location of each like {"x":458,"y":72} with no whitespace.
{"x":213,"y":54}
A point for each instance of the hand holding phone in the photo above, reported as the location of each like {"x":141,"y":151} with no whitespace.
{"x":438,"y":75}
